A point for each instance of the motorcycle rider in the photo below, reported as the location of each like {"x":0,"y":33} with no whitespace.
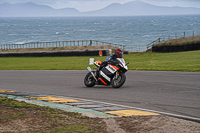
{"x":118,"y":53}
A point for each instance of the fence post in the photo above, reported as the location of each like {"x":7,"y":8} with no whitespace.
{"x":193,"y":33}
{"x":90,"y":43}
{"x":57,"y":44}
{"x":184,"y":34}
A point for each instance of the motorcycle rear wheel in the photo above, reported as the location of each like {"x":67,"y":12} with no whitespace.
{"x":116,"y":83}
{"x":89,"y":80}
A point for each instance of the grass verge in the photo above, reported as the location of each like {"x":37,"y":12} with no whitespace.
{"x":179,"y":61}
{"x":23,"y":117}
{"x":180,"y":41}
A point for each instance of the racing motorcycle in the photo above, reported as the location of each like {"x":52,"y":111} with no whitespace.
{"x":111,"y":74}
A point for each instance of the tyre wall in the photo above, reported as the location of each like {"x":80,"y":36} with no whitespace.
{"x":176,"y":48}
{"x":57,"y":53}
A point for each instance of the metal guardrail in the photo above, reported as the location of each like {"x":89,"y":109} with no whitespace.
{"x":57,"y":44}
{"x":162,"y":39}
{"x":130,"y":48}
{"x":134,"y":48}
{"x":152,"y":43}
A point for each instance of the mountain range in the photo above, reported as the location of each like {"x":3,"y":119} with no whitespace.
{"x":33,"y":10}
{"x":134,"y":8}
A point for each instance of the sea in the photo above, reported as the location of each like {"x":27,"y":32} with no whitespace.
{"x":135,"y":31}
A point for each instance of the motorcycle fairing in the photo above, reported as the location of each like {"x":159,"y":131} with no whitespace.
{"x":122,"y":63}
{"x":103,"y":81}
{"x":112,"y":68}
{"x":97,"y":63}
{"x":106,"y":74}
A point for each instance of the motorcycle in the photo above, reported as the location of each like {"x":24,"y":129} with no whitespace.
{"x":111,"y":74}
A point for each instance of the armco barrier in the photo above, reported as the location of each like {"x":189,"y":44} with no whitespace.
{"x":105,"y":52}
{"x":176,"y":48}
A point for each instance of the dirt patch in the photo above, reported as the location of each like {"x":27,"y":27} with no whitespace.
{"x":46,"y":119}
{"x":58,"y":48}
{"x":157,"y":124}
{"x":113,"y":126}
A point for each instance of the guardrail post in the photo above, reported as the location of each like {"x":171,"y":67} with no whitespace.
{"x":90,"y":43}
{"x":57,"y":44}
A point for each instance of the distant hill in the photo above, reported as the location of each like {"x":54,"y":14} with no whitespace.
{"x":134,"y":8}
{"x":33,"y":10}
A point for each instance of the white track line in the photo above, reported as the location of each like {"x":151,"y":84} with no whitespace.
{"x":142,"y":109}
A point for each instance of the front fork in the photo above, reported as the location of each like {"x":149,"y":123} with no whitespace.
{"x":116,"y":75}
{"x":90,"y":70}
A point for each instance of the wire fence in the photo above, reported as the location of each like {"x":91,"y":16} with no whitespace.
{"x":58,"y":44}
{"x":130,"y":48}
{"x":176,"y":36}
{"x":134,"y":48}
{"x":163,"y":39}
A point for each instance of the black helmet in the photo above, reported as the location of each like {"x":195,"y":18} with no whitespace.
{"x":118,"y":53}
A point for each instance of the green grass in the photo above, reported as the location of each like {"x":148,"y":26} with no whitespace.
{"x":22,"y":115}
{"x":16,"y":104}
{"x":55,"y":121}
{"x":179,"y":61}
{"x":82,"y":128}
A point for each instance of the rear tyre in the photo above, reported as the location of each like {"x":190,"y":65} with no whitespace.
{"x":116,"y":83}
{"x":89,"y":80}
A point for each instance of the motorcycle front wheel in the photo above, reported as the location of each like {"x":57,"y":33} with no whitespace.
{"x":89,"y":80}
{"x":119,"y":81}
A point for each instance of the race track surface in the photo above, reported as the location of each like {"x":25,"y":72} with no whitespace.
{"x":170,"y":92}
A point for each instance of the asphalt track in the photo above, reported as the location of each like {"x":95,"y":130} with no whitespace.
{"x":170,"y":92}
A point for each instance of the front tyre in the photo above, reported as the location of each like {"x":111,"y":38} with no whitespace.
{"x":119,"y":81}
{"x":89,"y":80}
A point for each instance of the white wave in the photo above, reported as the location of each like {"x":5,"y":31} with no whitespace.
{"x":19,"y":42}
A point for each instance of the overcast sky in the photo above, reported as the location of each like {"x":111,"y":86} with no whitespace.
{"x":89,"y":5}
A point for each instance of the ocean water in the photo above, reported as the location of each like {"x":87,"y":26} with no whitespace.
{"x":137,"y":31}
